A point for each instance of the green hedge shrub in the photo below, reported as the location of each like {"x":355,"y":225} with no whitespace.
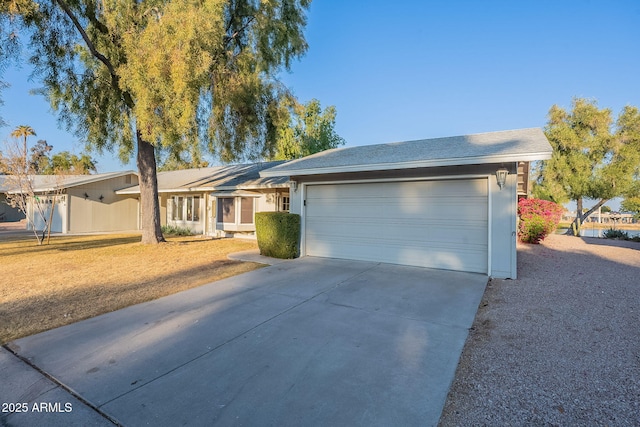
{"x":278,"y":234}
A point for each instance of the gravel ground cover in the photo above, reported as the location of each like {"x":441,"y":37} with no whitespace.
{"x":559,"y":346}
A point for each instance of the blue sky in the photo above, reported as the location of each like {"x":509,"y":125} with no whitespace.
{"x":419,"y":69}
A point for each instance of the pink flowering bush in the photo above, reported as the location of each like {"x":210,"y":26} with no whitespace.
{"x":538,"y":219}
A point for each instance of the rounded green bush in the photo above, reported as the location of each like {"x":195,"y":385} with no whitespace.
{"x":278,"y":234}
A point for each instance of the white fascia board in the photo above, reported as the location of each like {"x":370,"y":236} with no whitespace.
{"x":100,"y":177}
{"x":253,"y":187}
{"x":128,"y":191}
{"x":412,"y":165}
{"x":235,"y":193}
{"x":186,"y":190}
{"x":169,"y":190}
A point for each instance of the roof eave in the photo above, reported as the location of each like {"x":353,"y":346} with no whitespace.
{"x":254,"y":187}
{"x":412,"y":165}
{"x":209,"y":188}
{"x":97,"y":178}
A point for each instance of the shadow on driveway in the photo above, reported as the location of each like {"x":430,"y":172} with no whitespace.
{"x":308,"y":342}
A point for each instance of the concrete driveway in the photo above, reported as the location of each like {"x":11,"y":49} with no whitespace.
{"x":306,"y":342}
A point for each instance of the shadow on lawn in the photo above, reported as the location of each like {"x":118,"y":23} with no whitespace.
{"x":95,"y":244}
{"x":58,"y":243}
{"x":35,"y":314}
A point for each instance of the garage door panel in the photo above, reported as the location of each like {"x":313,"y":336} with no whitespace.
{"x":474,"y":209}
{"x":439,"y":224}
{"x":474,"y":233}
{"x":446,"y":256}
{"x":412,"y":189}
{"x":406,"y":208}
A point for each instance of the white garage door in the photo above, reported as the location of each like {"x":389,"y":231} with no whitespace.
{"x":437,"y":224}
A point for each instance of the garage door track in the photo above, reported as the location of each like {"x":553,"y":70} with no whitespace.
{"x":308,"y":342}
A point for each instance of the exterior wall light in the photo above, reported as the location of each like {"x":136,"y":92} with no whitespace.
{"x":293,"y":185}
{"x":501,"y":177}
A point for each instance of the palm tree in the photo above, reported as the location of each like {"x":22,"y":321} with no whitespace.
{"x":23,"y":132}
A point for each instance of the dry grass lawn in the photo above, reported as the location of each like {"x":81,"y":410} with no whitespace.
{"x":74,"y":278}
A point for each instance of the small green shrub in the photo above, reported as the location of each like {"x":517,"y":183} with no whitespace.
{"x":538,"y":219}
{"x":616,"y":234}
{"x":278,"y":234}
{"x":172,"y":230}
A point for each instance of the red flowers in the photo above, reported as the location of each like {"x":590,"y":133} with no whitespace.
{"x":538,"y":219}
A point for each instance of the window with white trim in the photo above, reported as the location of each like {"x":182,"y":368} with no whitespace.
{"x":246,"y":210}
{"x":284,"y":203}
{"x":185,"y":208}
{"x":235,"y":210}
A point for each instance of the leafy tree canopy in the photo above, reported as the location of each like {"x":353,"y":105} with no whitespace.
{"x":592,"y":156}
{"x":40,"y":157}
{"x":632,"y":205}
{"x":43,"y":162}
{"x":181,"y":157}
{"x":306,"y":129}
{"x":134,"y":75}
{"x":67,"y":163}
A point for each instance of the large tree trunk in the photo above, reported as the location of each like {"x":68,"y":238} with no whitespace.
{"x":149,"y":205}
{"x":576,"y":225}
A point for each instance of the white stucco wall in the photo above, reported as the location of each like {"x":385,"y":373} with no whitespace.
{"x":503,"y":226}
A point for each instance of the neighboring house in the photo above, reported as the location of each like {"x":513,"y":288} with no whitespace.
{"x":7,"y":212}
{"x":218,"y":201}
{"x":613,"y":218}
{"x":432,"y":203}
{"x":83,"y":203}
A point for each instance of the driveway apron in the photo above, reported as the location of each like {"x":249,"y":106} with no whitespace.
{"x":312,"y":341}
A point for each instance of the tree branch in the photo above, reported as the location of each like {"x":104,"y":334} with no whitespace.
{"x":95,"y":21}
{"x":229,"y":39}
{"x":593,"y":209}
{"x":100,"y":57}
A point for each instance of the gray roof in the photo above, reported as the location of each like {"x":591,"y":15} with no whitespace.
{"x":492,"y":147}
{"x":47,"y":183}
{"x":231,"y":177}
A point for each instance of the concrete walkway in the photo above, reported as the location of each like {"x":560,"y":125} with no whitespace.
{"x":305,"y":342}
{"x":253,"y":255}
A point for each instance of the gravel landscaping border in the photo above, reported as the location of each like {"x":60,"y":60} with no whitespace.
{"x":558,"y":346}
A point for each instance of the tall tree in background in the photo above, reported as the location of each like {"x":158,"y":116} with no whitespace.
{"x":307,"y":129}
{"x":62,"y":163}
{"x":300,"y":130}
{"x":66,"y":163}
{"x":4,"y":166}
{"x":130,"y":76}
{"x":591,"y":158}
{"x":39,"y":157}
{"x":23,"y":132}
{"x":629,"y":134}
{"x":632,"y":205}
